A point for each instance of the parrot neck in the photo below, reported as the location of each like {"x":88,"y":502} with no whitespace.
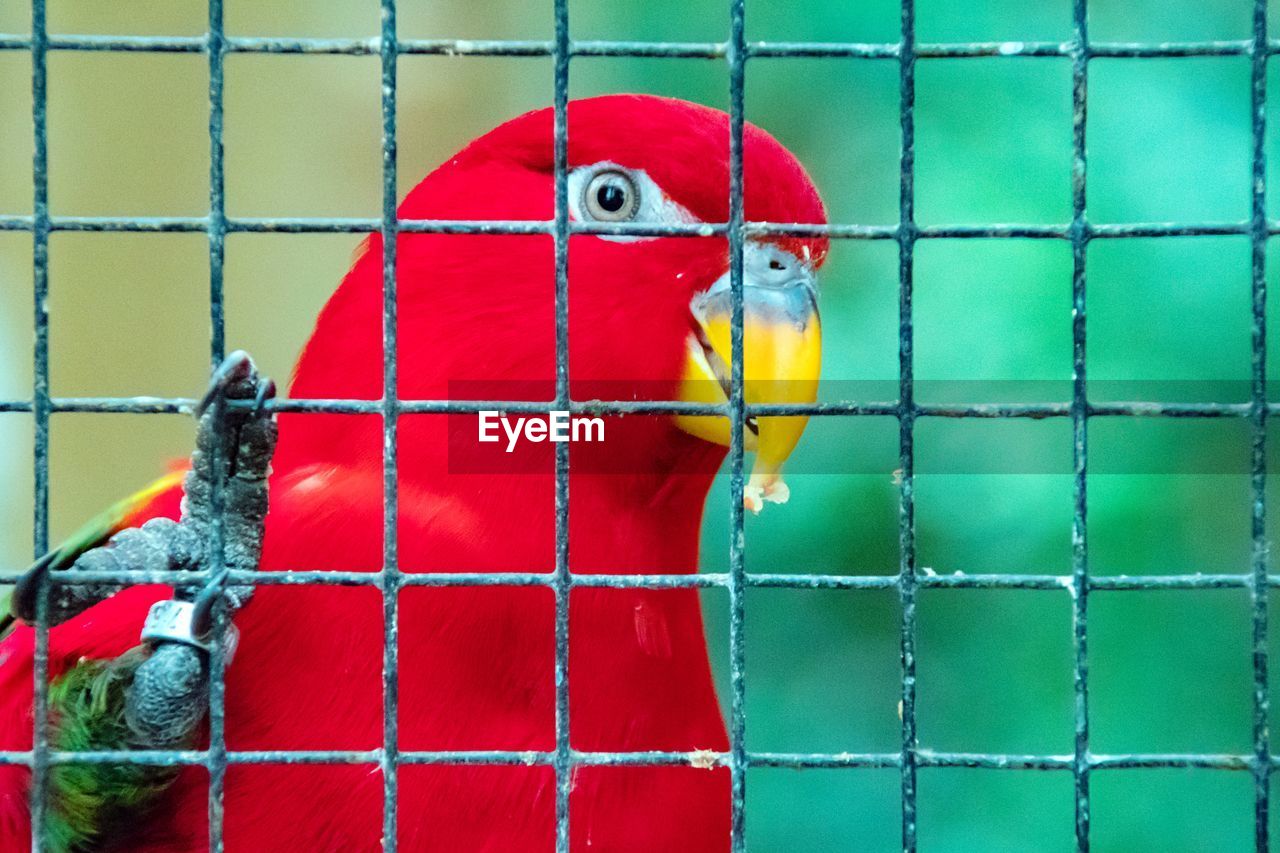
{"x":636,"y":497}
{"x":636,"y":500}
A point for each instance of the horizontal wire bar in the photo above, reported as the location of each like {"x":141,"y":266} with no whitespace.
{"x":371,"y":46}
{"x":764,"y":580}
{"x":703,"y":759}
{"x":1035,"y":411}
{"x":837,"y":231}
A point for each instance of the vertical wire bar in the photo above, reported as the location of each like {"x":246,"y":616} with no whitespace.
{"x":737,"y":54}
{"x":217,"y":203}
{"x":1079,"y":233}
{"x":906,"y":417}
{"x":1258,"y":591}
{"x":562,"y":581}
{"x":389,"y":52}
{"x":40,"y":409}
{"x":217,"y":758}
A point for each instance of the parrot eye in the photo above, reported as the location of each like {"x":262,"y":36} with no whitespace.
{"x":608,"y":193}
{"x":611,"y":196}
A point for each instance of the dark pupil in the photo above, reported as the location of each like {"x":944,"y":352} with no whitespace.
{"x":611,"y":197}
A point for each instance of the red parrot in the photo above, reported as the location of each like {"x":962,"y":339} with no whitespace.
{"x":648,"y":318}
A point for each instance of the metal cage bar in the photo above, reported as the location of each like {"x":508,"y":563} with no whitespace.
{"x":40,"y":408}
{"x":562,"y":579}
{"x":835,"y":408}
{"x":644,"y":49}
{"x":736,"y":51}
{"x":357,"y":225}
{"x":217,"y":762}
{"x":708,"y":580}
{"x":390,"y":755}
{"x":657,"y":758}
{"x":1079,"y":235}
{"x":906,"y":417}
{"x":737,"y":420}
{"x":1258,"y":589}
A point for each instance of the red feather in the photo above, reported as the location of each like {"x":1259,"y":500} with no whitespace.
{"x":476,"y":663}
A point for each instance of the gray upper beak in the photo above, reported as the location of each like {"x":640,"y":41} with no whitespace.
{"x":776,"y":286}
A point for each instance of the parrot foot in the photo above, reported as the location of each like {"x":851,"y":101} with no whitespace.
{"x":155,"y":695}
{"x":242,"y":438}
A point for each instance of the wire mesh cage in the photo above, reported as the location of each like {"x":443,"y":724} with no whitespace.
{"x":736,"y":52}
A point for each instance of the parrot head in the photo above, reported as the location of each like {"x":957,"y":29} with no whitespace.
{"x":649,"y":317}
{"x":665,"y":162}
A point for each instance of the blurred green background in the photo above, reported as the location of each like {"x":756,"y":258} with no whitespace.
{"x":1168,"y":141}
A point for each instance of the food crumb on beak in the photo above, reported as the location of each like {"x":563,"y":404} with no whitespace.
{"x":762,"y":488}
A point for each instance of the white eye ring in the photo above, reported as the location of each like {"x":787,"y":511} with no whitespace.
{"x":611,"y":196}
{"x":648,"y":203}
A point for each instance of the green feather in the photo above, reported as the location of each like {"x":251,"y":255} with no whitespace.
{"x":121,"y":514}
{"x":90,"y":803}
{"x":6,"y":621}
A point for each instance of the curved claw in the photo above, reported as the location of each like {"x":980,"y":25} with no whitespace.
{"x":27,"y":590}
{"x":234,"y":368}
{"x":202,"y":616}
{"x":266,"y":391}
